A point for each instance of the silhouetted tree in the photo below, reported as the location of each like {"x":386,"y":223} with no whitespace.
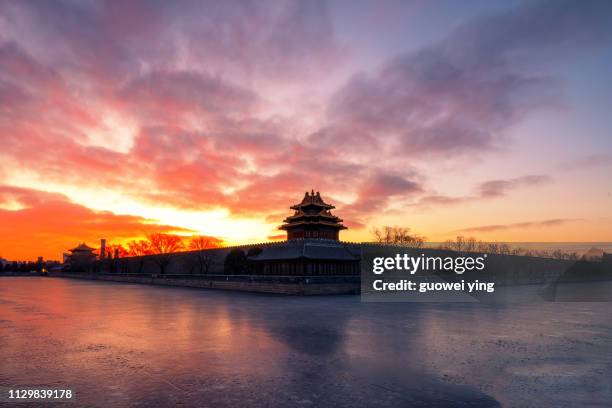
{"x":235,"y":262}
{"x":205,"y":258}
{"x":116,"y":251}
{"x":397,"y":235}
{"x":162,"y":246}
{"x":139,"y":249}
{"x":470,"y":244}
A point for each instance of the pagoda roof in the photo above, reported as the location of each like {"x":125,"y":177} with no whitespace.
{"x":329,"y":224}
{"x":82,"y":248}
{"x":312,"y":198}
{"x":323,"y":216}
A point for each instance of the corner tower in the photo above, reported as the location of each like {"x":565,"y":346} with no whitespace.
{"x":312,"y":219}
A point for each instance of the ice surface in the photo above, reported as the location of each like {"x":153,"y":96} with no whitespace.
{"x":136,"y":345}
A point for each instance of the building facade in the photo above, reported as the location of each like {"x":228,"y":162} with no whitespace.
{"x":81,"y":258}
{"x":307,"y":257}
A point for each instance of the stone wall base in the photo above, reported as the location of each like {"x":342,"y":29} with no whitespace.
{"x":286,"y":285}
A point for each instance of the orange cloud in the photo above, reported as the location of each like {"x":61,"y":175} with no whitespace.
{"x":36,"y":223}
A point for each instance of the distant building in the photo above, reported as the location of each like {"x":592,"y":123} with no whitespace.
{"x":80,"y":258}
{"x":312,"y":219}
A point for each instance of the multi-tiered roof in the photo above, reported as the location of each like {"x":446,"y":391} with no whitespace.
{"x":82,"y":248}
{"x":312,"y":219}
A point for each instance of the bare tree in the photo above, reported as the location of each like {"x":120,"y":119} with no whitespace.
{"x":202,"y":244}
{"x":504,"y":249}
{"x":570,"y":256}
{"x":162,"y":246}
{"x":470,"y":244}
{"x":139,"y":249}
{"x":397,"y":235}
{"x":116,"y":251}
{"x":573,"y":256}
{"x":459,"y":244}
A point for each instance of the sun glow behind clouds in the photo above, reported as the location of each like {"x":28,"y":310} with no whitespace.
{"x":218,"y":223}
{"x":11,"y":205}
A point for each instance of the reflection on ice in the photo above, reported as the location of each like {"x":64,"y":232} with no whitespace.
{"x":131,"y":345}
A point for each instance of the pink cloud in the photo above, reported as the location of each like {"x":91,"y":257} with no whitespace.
{"x":527,"y":224}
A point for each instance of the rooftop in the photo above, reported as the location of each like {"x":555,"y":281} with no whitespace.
{"x":82,"y":248}
{"x":312,"y":199}
{"x":322,"y":249}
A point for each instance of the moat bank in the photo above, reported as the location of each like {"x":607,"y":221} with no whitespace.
{"x":286,"y":285}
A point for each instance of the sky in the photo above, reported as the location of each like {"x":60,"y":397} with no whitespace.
{"x":123,"y":118}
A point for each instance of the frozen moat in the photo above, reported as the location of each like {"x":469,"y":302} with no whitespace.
{"x":135,"y":345}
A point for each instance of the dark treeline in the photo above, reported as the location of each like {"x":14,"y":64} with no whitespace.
{"x":403,"y":236}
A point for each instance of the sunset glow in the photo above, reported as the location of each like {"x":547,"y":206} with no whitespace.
{"x":121,"y":119}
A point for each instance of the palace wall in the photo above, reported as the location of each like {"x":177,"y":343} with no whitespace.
{"x":332,"y":261}
{"x":324,"y":267}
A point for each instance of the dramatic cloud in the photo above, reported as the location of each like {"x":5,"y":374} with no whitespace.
{"x":529,"y":224}
{"x":498,"y":188}
{"x":49,"y":223}
{"x":458,"y":95}
{"x":108,"y":39}
{"x":485,"y":190}
{"x":237,"y":107}
{"x":176,"y":97}
{"x":375,"y":192}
